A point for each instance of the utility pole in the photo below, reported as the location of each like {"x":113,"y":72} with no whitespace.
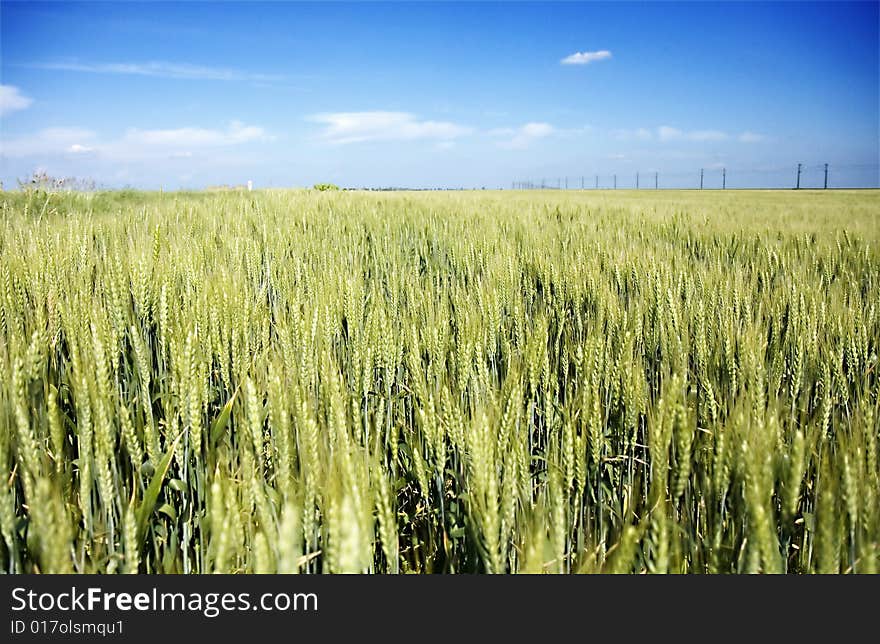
{"x":615,"y":182}
{"x":701,"y":178}
{"x":656,"y":182}
{"x":566,"y":183}
{"x":597,"y":182}
{"x":582,"y":182}
{"x":826,"y":176}
{"x":637,"y":180}
{"x":798,"y":186}
{"x":723,"y":178}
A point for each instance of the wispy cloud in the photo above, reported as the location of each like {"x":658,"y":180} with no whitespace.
{"x":523,"y":136}
{"x":586,"y":57}
{"x":751,"y":137}
{"x":12,"y":100}
{"x":134,"y":145}
{"x":640,"y":134}
{"x":158,"y":69}
{"x":667,"y":133}
{"x":47,"y":142}
{"x":187,"y":137}
{"x":706,"y":135}
{"x":357,"y":127}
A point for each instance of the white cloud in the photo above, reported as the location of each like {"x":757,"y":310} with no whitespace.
{"x":135,"y":144}
{"x":667,"y":133}
{"x":53,"y":140}
{"x":586,"y":57}
{"x":537,"y":130}
{"x":237,"y":132}
{"x":12,"y":100}
{"x":706,"y":135}
{"x":358,"y":127}
{"x":641,"y":134}
{"x":751,"y":137}
{"x":523,"y":136}
{"x":181,"y":71}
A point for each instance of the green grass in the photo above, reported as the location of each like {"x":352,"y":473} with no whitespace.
{"x":297,"y":381}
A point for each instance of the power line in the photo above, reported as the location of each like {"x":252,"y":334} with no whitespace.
{"x":816,"y":176}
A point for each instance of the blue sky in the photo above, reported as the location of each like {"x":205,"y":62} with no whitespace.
{"x":439,"y":95}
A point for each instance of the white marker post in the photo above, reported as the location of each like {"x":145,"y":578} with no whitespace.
{"x":250,"y":185}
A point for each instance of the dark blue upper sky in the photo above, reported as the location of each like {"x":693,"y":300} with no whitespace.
{"x":426,"y":94}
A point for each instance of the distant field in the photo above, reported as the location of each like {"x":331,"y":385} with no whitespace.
{"x":540,"y":381}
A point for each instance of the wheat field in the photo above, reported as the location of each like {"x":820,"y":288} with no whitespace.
{"x":463,"y":382}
